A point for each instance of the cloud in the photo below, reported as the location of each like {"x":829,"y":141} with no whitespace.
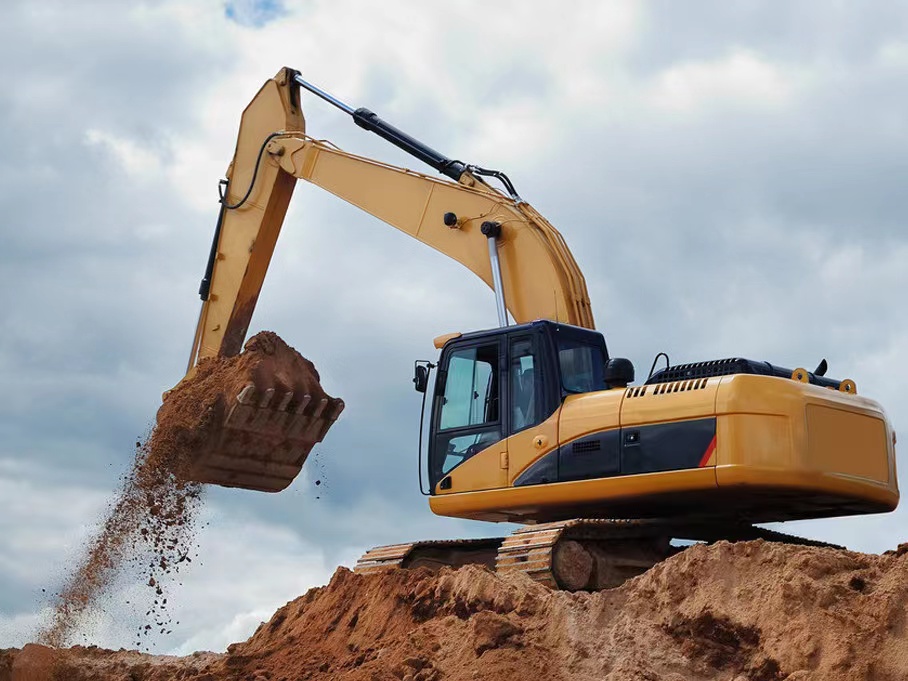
{"x":730,"y":182}
{"x":136,"y":160}
{"x":741,"y":78}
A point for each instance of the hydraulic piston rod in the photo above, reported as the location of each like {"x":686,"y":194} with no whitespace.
{"x":492,"y":230}
{"x":369,"y":120}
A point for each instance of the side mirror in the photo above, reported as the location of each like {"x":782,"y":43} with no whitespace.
{"x":421,"y":378}
{"x":619,"y":372}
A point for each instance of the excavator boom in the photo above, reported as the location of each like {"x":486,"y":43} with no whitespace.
{"x":497,"y":236}
{"x":540,"y":277}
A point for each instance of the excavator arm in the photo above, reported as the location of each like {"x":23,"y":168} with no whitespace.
{"x":539,"y":276}
{"x":269,"y":427}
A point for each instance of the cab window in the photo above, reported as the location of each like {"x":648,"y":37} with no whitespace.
{"x":582,"y":366}
{"x":525,"y":397}
{"x":471,"y":394}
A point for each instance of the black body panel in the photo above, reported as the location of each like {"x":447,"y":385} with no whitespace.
{"x":543,"y":471}
{"x":665,"y":446}
{"x":592,"y":456}
{"x":625,"y":451}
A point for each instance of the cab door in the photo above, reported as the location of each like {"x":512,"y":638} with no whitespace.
{"x":467,"y":446}
{"x":532,"y":418}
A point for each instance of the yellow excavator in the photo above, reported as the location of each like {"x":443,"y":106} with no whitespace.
{"x":533,"y":422}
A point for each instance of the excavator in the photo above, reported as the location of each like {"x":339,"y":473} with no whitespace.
{"x":533,"y":421}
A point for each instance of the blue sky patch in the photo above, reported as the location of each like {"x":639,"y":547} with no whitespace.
{"x":254,"y":13}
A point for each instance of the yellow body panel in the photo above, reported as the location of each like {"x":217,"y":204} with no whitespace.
{"x":832,"y":432}
{"x":528,"y":445}
{"x":569,"y":499}
{"x":783,"y":450}
{"x":482,"y":471}
{"x":776,"y":423}
{"x":670,"y":402}
{"x":801,"y":438}
{"x":584,"y":414}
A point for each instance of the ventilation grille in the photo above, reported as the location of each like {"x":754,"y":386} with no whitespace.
{"x":680,"y":386}
{"x":586,"y":446}
{"x":664,"y":388}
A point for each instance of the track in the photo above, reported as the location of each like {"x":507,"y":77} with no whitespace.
{"x":431,"y":554}
{"x":599,"y":554}
{"x":573,"y":554}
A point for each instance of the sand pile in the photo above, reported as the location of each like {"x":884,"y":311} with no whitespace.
{"x":752,"y":611}
{"x":149,"y":529}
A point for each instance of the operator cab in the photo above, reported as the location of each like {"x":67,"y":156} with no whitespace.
{"x":493,"y":384}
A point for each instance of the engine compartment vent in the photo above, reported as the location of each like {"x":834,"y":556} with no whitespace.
{"x":680,"y":386}
{"x":586,"y":446}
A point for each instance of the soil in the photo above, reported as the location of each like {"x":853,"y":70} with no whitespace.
{"x":148,"y":532}
{"x":753,"y":611}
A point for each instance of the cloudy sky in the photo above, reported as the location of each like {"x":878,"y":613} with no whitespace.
{"x":729,"y":176}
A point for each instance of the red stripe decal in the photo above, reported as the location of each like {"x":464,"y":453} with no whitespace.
{"x":709,"y":452}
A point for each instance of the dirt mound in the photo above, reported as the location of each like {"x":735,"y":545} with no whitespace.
{"x":752,"y":611}
{"x":148,"y":531}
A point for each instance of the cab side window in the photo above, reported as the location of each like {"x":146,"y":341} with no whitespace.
{"x":525,"y":395}
{"x":582,"y":366}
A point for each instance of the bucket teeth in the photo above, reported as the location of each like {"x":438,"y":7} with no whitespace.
{"x":247,"y":395}
{"x":297,"y":425}
{"x":266,"y":436}
{"x":285,"y":400}
{"x":263,"y":413}
{"x":303,"y":404}
{"x":267,"y":396}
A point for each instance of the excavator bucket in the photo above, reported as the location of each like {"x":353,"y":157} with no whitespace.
{"x":249,"y":421}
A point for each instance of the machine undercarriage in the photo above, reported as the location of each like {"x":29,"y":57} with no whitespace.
{"x":573,"y":555}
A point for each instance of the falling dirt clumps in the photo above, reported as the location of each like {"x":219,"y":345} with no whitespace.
{"x":149,"y":529}
{"x":148,"y":532}
{"x":753,"y":611}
